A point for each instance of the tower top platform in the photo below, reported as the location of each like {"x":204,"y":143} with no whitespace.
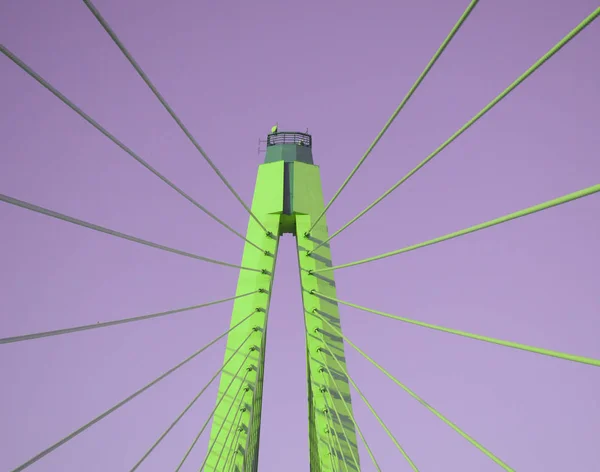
{"x":289,"y":146}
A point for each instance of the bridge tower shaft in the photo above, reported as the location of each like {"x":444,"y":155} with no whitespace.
{"x":287,"y":199}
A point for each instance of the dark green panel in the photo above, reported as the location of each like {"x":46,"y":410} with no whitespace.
{"x":289,"y":153}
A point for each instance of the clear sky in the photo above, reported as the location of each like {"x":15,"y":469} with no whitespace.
{"x":231,"y":70}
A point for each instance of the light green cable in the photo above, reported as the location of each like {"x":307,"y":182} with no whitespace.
{"x":591,"y":17}
{"x":351,"y":416}
{"x":518,"y":214}
{"x":116,"y":141}
{"x":231,"y":455}
{"x":334,"y":462}
{"x":333,"y":433}
{"x":479,"y":446}
{"x":233,"y":378}
{"x":258,"y":385}
{"x":381,"y":422}
{"x":190,"y":405}
{"x":339,"y":419}
{"x":102,"y":229}
{"x":241,"y":387}
{"x":126,"y":400}
{"x":404,"y":101}
{"x":523,"y":347}
{"x":238,"y":415}
{"x":171,"y":112}
{"x":104,"y":324}
{"x":330,"y":446}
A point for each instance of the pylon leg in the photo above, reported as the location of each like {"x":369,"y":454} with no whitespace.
{"x":333,"y":444}
{"x":267,"y":205}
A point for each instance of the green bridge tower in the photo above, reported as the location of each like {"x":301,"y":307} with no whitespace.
{"x":287,"y":199}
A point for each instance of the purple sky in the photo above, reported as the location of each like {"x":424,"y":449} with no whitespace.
{"x":231,"y":70}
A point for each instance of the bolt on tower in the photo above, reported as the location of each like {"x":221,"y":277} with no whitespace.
{"x":287,"y":199}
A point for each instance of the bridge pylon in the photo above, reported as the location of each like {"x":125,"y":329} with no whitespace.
{"x":288,"y":198}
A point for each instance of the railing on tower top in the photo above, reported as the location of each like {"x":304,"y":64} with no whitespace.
{"x":289,"y":137}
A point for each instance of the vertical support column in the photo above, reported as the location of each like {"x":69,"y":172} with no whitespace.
{"x":332,"y":435}
{"x":242,"y":412}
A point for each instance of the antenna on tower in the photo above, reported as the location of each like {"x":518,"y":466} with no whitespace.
{"x":274,"y":130}
{"x":259,"y":150}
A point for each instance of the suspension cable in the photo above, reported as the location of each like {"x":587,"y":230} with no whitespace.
{"x":334,"y":465}
{"x":410,"y":93}
{"x":234,"y":426}
{"x":233,"y":378}
{"x":479,"y":446}
{"x":333,"y":433}
{"x":381,"y":422}
{"x":330,"y":445}
{"x":518,"y":214}
{"x":85,"y":224}
{"x":350,"y":413}
{"x":472,"y":121}
{"x":231,"y":455}
{"x":104,"y":324}
{"x":116,"y":141}
{"x":126,"y":400}
{"x":523,"y":347}
{"x":339,"y":419}
{"x":259,"y":386}
{"x":190,"y":405}
{"x":164,"y":103}
{"x":240,"y":388}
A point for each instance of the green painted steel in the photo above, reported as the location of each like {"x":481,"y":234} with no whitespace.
{"x":267,"y":205}
{"x":287,"y":199}
{"x":307,"y":205}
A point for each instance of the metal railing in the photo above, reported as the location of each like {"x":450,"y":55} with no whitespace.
{"x":289,"y":137}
